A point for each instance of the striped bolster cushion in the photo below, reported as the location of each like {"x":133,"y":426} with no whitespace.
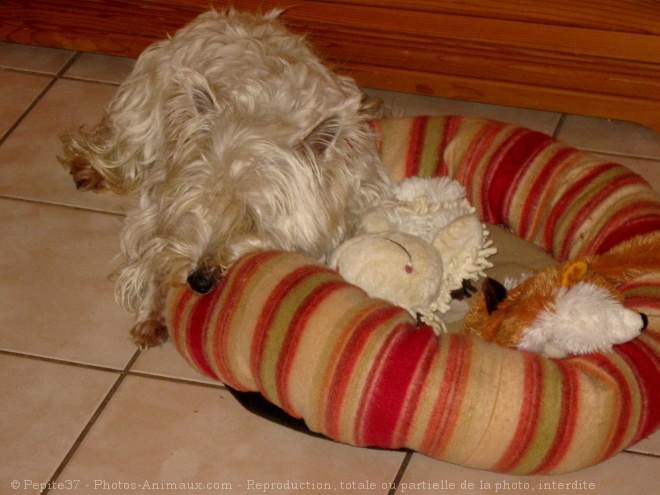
{"x":357,"y":370}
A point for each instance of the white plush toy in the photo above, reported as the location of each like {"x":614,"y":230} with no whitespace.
{"x":415,"y":250}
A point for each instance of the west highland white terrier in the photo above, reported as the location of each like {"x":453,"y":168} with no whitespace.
{"x":237,"y":138}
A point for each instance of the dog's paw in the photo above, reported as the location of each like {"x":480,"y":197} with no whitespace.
{"x":150,"y":333}
{"x":84,"y":176}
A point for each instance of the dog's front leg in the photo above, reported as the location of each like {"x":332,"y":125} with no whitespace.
{"x":150,"y":329}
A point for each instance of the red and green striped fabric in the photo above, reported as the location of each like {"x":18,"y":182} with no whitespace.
{"x":357,"y":369}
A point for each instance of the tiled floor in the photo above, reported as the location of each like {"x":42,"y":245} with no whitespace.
{"x":79,"y":406}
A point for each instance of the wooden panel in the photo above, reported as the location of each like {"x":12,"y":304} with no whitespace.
{"x":596,"y":57}
{"x":395,"y":25}
{"x":490,"y":62}
{"x":629,"y":16}
{"x":114,"y":27}
{"x":548,"y":66}
{"x":640,"y":110}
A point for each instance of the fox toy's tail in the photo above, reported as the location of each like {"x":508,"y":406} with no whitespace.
{"x":630,"y":259}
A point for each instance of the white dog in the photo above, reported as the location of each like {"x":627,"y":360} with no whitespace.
{"x":237,"y":139}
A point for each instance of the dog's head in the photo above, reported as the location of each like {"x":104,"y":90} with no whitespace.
{"x":246,"y":176}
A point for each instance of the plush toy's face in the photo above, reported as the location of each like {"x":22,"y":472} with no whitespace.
{"x":571,"y":310}
{"x":397,"y":267}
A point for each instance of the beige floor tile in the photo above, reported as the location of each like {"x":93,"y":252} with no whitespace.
{"x":166,"y":361}
{"x":403,"y":104}
{"x":55,"y":296}
{"x":104,"y":68}
{"x":165,"y":432}
{"x":625,"y":473}
{"x":45,"y":406}
{"x":19,"y":90}
{"x":28,"y":165}
{"x":610,"y":136}
{"x":33,"y":58}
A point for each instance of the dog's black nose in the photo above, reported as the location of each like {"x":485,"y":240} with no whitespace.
{"x":645,"y":321}
{"x":202,"y":281}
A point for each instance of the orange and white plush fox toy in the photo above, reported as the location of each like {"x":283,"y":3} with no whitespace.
{"x":574,"y":308}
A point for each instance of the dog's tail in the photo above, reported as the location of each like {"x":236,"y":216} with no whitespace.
{"x":94,"y":159}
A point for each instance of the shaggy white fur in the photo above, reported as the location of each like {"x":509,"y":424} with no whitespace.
{"x":583,"y":318}
{"x":437,"y":210}
{"x":236,"y":138}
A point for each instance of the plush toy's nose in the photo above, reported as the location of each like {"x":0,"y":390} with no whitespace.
{"x":202,"y":281}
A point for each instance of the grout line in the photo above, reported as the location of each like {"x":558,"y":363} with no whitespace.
{"x":126,"y":370}
{"x":53,"y":360}
{"x":40,"y":96}
{"x":394,"y":486}
{"x":58,"y":76}
{"x":92,"y":81}
{"x":62,"y":205}
{"x":30,"y":72}
{"x":558,"y":127}
{"x":90,"y":424}
{"x":643,"y":454}
{"x":173,"y":379}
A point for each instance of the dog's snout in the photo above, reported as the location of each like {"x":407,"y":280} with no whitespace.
{"x":202,"y":281}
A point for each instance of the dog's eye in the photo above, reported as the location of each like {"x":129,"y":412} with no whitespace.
{"x":324,"y":135}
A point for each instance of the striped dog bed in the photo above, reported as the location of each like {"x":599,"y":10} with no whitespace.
{"x":357,"y":369}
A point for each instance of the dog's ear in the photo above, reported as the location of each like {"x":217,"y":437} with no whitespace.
{"x":202,"y":96}
{"x":203,"y":99}
{"x":324,"y":135}
{"x":198,"y":90}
